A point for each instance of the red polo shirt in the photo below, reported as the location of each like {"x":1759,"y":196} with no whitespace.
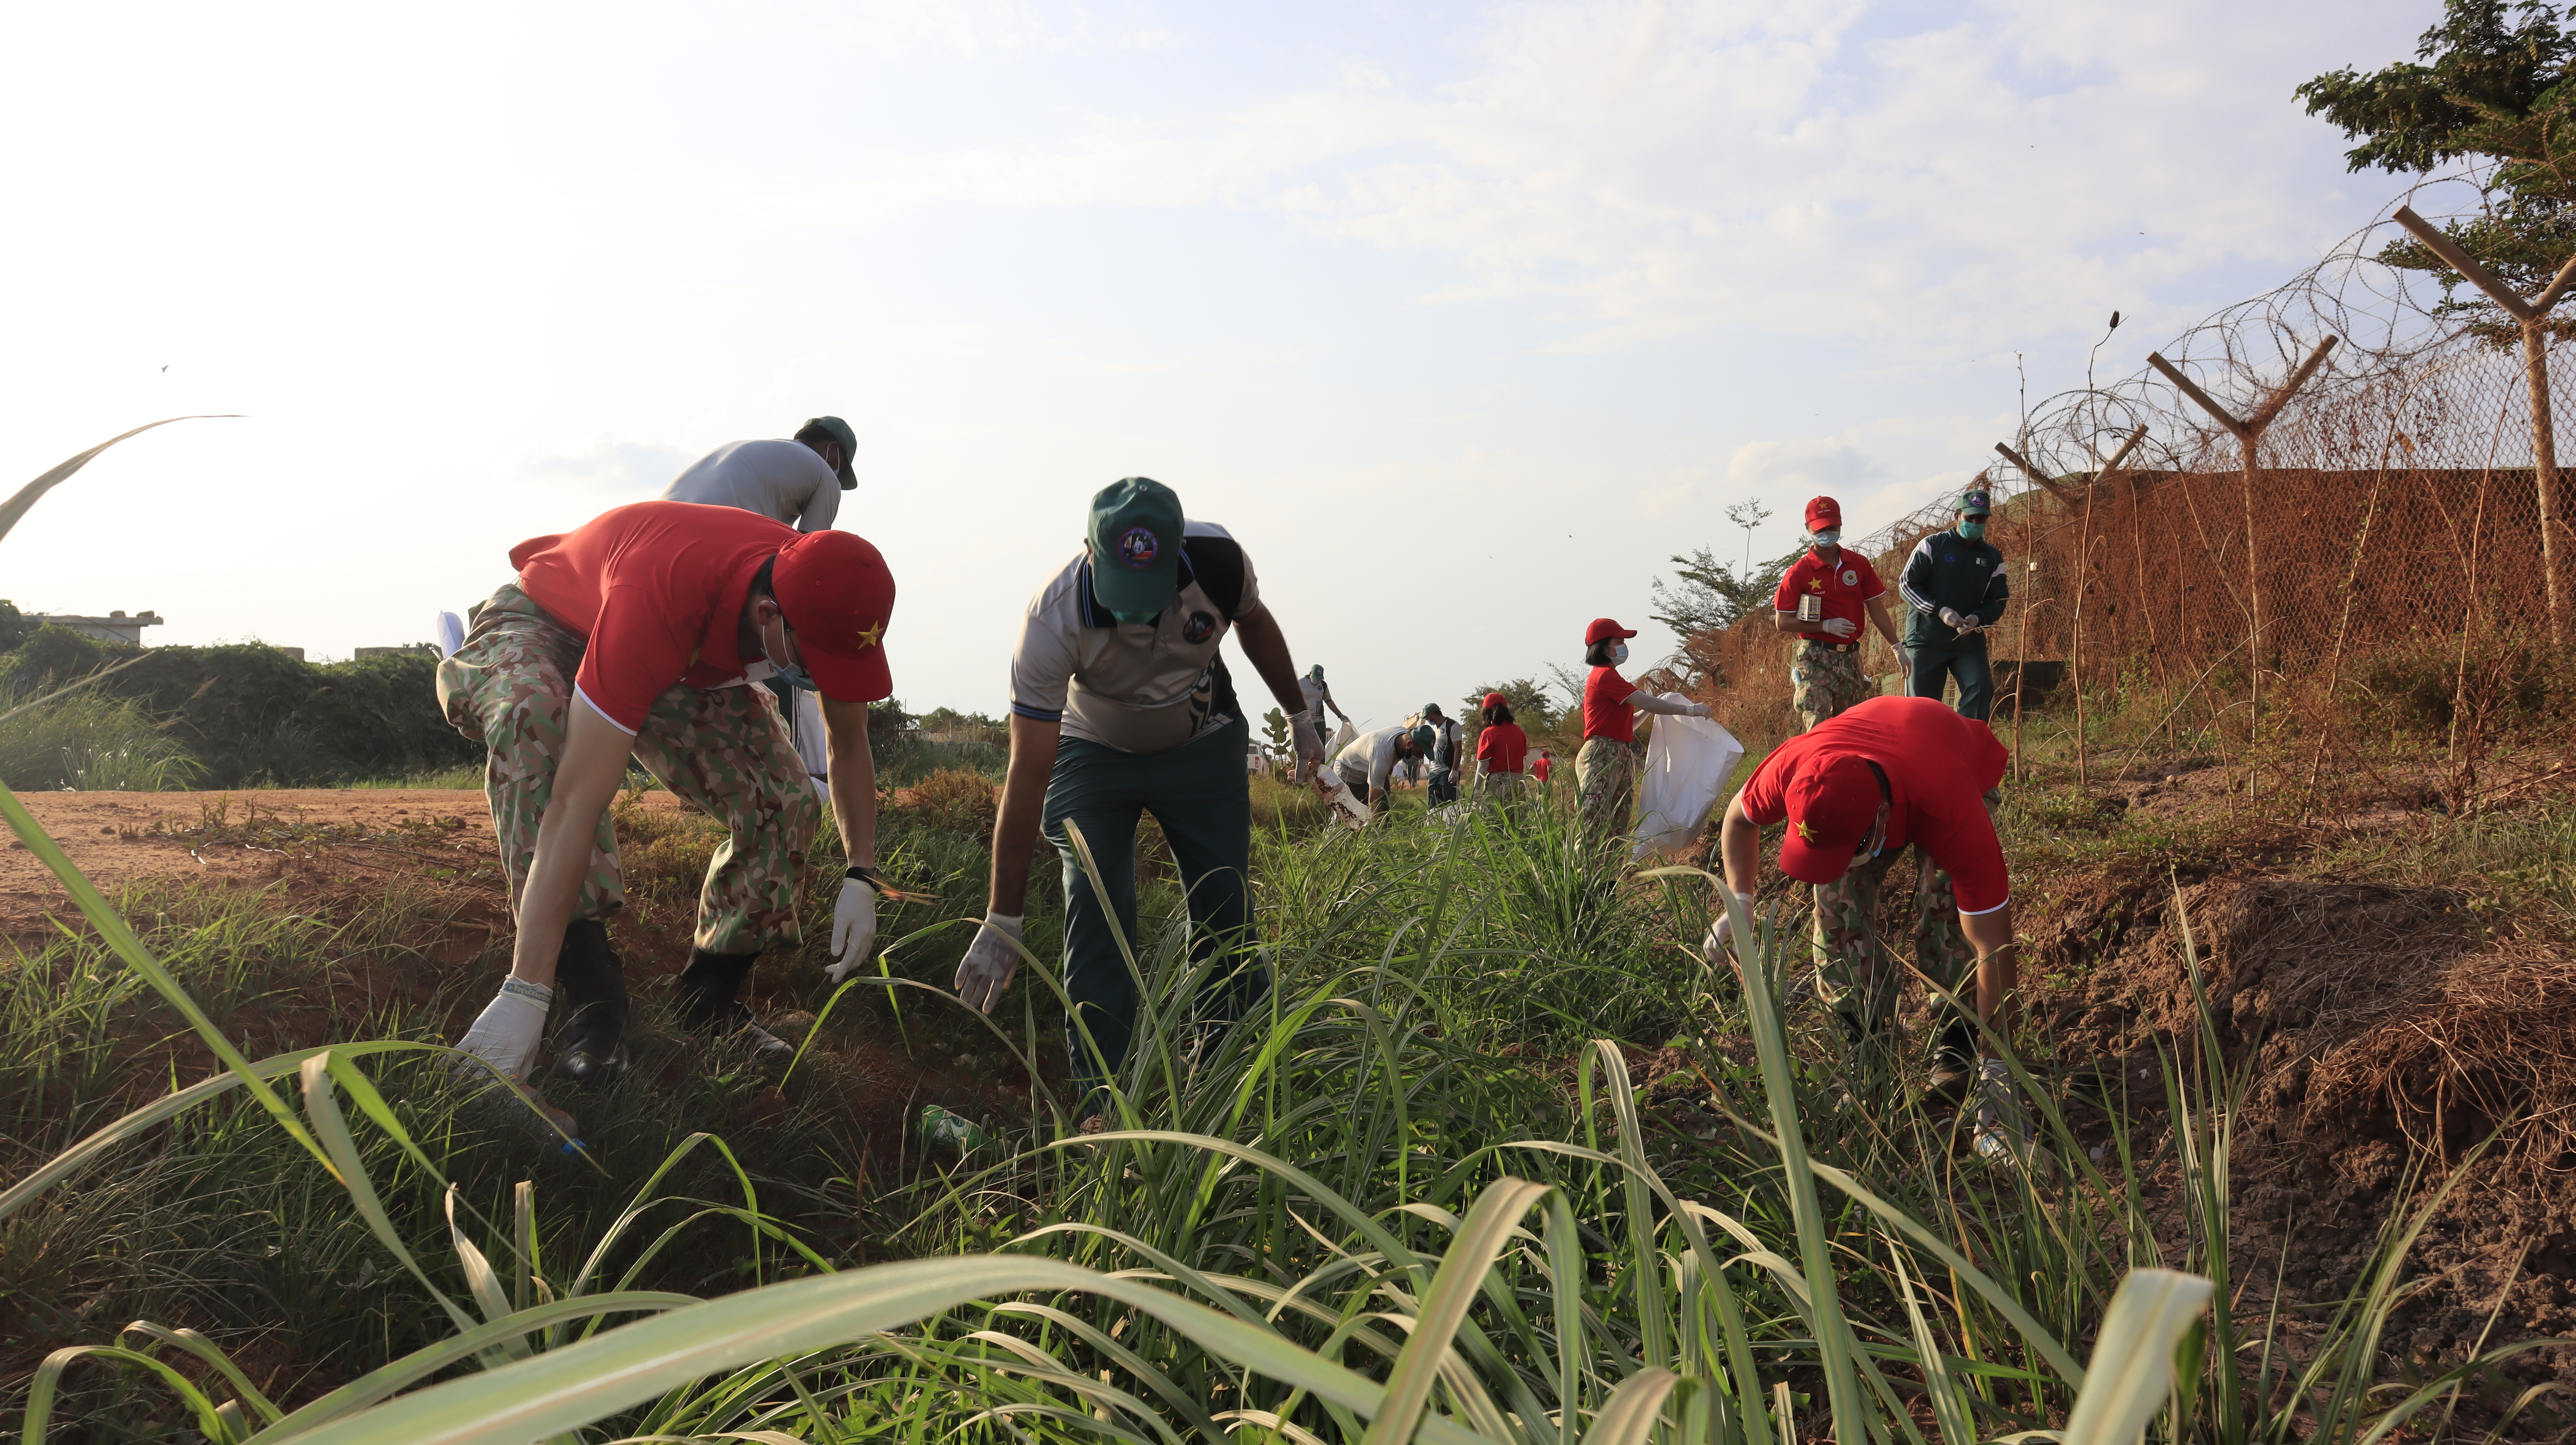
{"x":1845,"y":586}
{"x":1938,"y":765}
{"x":1606,"y":713}
{"x":656,"y":589}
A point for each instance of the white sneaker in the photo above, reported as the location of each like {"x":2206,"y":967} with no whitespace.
{"x":2002,"y":1136}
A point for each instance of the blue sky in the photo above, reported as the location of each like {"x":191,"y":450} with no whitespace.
{"x":1464,"y":318}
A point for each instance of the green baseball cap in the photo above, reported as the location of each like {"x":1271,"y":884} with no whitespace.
{"x":839,"y":431}
{"x":1975,"y":503}
{"x":1135,"y":545}
{"x":1423,"y":738}
{"x":1432,"y":709}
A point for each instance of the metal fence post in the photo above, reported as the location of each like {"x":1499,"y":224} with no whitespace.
{"x":2533,"y":316}
{"x":2248,"y":432}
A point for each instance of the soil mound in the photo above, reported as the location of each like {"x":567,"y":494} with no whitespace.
{"x":2383,"y":1034}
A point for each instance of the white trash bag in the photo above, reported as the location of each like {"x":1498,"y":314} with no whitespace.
{"x":1688,"y":762}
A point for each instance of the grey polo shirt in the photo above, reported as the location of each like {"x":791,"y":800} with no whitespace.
{"x":1137,"y":687}
{"x":780,"y":479}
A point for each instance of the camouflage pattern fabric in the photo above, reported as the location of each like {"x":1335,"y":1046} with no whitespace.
{"x":1825,"y":680}
{"x":724,"y":751}
{"x":1605,"y":773}
{"x":1853,"y":972}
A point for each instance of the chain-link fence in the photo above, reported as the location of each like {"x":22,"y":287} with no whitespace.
{"x":2350,"y":533}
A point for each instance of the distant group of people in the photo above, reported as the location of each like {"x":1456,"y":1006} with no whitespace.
{"x":728,"y":639}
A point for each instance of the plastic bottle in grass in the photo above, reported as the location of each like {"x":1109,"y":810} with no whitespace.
{"x":944,"y":1126}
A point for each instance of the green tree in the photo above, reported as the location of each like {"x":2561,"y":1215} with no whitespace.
{"x":1710,"y":595}
{"x":2492,"y":81}
{"x":14,"y":626}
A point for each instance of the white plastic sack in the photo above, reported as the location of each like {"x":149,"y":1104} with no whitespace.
{"x":1688,"y":762}
{"x":1342,"y":738}
{"x":451,"y":633}
{"x":805,"y":727}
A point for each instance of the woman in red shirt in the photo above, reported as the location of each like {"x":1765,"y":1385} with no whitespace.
{"x":1605,"y":772}
{"x":1500,"y":748}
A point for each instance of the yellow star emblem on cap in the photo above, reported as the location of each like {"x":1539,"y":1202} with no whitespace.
{"x":1805,"y":832}
{"x":872,"y":636}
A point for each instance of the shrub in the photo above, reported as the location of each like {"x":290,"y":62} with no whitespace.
{"x":252,"y":714}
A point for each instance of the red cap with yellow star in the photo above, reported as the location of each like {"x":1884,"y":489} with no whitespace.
{"x":837,"y":596}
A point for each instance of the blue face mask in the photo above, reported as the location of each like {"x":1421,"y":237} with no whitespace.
{"x":795,"y":675}
{"x":1974,"y":529}
{"x":1618,"y":654}
{"x":1137,"y":619}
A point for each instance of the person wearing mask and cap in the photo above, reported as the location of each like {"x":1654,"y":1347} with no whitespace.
{"x":1605,"y":771}
{"x":798,"y":482}
{"x":1368,"y":765}
{"x":1121,"y":705}
{"x":1501,"y":748}
{"x":1825,"y":671}
{"x":1956,"y":586}
{"x":1447,"y":749}
{"x":1857,"y":791}
{"x":634,"y":636}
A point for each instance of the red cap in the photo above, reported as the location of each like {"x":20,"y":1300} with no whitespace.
{"x":1832,"y":803}
{"x":1496,"y":699}
{"x":1602,"y":630}
{"x":1824,"y":512}
{"x":836,"y":593}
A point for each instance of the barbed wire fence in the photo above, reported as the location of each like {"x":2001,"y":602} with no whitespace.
{"x":2323,"y":516}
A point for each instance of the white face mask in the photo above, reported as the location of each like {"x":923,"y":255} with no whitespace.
{"x":1830,"y":537}
{"x":1618,"y":653}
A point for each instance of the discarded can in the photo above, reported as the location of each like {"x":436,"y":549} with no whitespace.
{"x":942,"y":1126}
{"x":1811,"y":608}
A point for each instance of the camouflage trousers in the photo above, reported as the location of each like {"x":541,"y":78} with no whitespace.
{"x":722,"y":750}
{"x":1605,"y":773}
{"x":1854,"y":974}
{"x":1824,"y":681}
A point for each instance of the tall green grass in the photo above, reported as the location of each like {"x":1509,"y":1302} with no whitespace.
{"x":90,"y":740}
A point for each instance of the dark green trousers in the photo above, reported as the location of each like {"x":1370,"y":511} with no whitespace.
{"x":1202,"y":797}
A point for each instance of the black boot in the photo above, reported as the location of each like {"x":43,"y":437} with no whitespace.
{"x":590,"y":982}
{"x":709,"y":1002}
{"x":1954,"y":1065}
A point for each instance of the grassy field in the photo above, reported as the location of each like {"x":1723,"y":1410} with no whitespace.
{"x":1504,"y":1158}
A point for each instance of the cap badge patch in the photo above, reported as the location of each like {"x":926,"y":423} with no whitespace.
{"x":871,"y":636}
{"x":1138,"y":548}
{"x":1804,"y":832}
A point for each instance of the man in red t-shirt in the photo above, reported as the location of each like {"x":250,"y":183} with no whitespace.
{"x":636,"y":636}
{"x":1825,"y":671}
{"x":1539,"y":766}
{"x":1856,"y":792}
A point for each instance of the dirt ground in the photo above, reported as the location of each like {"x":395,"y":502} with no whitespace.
{"x":254,"y":837}
{"x":2387,"y":1035}
{"x":332,"y":847}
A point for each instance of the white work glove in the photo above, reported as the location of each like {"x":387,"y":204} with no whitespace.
{"x":854,"y":929}
{"x":990,"y":961}
{"x":1841,"y":626}
{"x":1697,"y":709}
{"x":1713,"y":947}
{"x":507,"y":1032}
{"x":1951,"y":616}
{"x":1306,"y":740}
